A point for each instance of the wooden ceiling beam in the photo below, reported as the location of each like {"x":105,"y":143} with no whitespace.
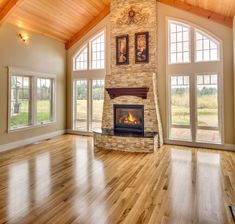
{"x":88,"y":27}
{"x":215,"y":17}
{"x":8,"y":8}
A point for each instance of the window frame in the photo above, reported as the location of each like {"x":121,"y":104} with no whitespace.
{"x":169,"y":42}
{"x":210,"y":36}
{"x":89,"y":74}
{"x":33,"y":76}
{"x":90,"y":51}
{"x":88,"y":44}
{"x":193,"y":69}
{"x":77,"y":55}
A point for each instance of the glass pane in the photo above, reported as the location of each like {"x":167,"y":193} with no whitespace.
{"x":180,"y":108}
{"x":207,"y":108}
{"x":206,"y":47}
{"x":179,"y":43}
{"x":81,"y":60}
{"x":212,"y":136}
{"x":97,"y":103}
{"x":80,"y":122}
{"x":44,"y":92}
{"x":98,"y":52}
{"x":20,"y":102}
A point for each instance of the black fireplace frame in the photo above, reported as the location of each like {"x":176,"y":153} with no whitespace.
{"x":128,"y":128}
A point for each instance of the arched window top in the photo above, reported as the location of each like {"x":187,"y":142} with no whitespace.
{"x":190,"y":44}
{"x":207,"y":48}
{"x":81,"y":59}
{"x":92,"y":55}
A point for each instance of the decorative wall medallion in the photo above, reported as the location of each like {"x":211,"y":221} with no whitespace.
{"x":133,"y":15}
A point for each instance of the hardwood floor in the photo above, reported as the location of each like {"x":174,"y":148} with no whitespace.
{"x":63,"y":180}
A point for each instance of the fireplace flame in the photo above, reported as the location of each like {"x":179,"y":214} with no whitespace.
{"x":129,"y":119}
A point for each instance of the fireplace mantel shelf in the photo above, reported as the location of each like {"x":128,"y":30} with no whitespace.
{"x":134,"y":91}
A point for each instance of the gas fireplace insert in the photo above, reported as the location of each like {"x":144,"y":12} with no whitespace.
{"x":128,"y":118}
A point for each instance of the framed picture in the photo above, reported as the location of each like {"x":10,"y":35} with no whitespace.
{"x":142,"y":47}
{"x":122,"y":50}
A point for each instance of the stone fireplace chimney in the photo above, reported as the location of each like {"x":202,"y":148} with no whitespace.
{"x":129,"y":17}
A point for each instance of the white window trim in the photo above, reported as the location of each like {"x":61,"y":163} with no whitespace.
{"x":192,"y":68}
{"x":168,"y":41}
{"x":90,"y":51}
{"x":89,"y":54}
{"x":79,"y":52}
{"x":33,"y":75}
{"x":209,"y":36}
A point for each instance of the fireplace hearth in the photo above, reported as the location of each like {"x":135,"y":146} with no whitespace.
{"x":128,"y":118}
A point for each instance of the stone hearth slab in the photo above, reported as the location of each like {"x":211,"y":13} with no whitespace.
{"x":108,"y":139}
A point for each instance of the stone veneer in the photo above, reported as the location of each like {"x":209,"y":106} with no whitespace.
{"x":132,"y":75}
{"x":129,"y":144}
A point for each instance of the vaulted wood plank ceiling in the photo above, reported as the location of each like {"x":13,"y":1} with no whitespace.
{"x":68,"y":20}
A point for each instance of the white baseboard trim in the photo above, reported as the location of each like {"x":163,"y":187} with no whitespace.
{"x":228,"y":147}
{"x":21,"y":143}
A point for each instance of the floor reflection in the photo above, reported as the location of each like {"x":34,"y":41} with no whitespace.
{"x":209,"y":189}
{"x":181,"y":186}
{"x":89,"y":178}
{"x":42,"y":177}
{"x":19,"y":191}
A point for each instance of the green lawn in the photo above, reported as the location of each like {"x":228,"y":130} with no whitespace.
{"x":22,"y":118}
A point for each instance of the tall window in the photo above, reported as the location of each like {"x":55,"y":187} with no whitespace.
{"x":89,"y":97}
{"x":31,"y":100}
{"x":89,"y":85}
{"x":92,"y":55}
{"x":20,"y":101}
{"x":195,"y":71}
{"x":44,"y":100}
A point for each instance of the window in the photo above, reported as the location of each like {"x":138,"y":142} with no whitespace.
{"x":207,"y":108}
{"x":31,"y":99}
{"x":206,"y":48}
{"x":97,"y":52}
{"x":20,"y":101}
{"x":88,"y":91}
{"x":180,"y":107}
{"x":179,"y":43}
{"x":92,"y":55}
{"x":81,"y":96}
{"x":195,"y":111}
{"x":81,"y":60}
{"x":89,"y":97}
{"x":44,"y":100}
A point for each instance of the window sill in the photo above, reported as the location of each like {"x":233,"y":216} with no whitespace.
{"x":25,"y":128}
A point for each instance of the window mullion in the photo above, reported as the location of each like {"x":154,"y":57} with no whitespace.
{"x":33,"y":101}
{"x":90,"y":105}
{"x":193,"y":106}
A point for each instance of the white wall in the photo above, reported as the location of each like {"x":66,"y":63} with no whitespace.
{"x":40,"y":54}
